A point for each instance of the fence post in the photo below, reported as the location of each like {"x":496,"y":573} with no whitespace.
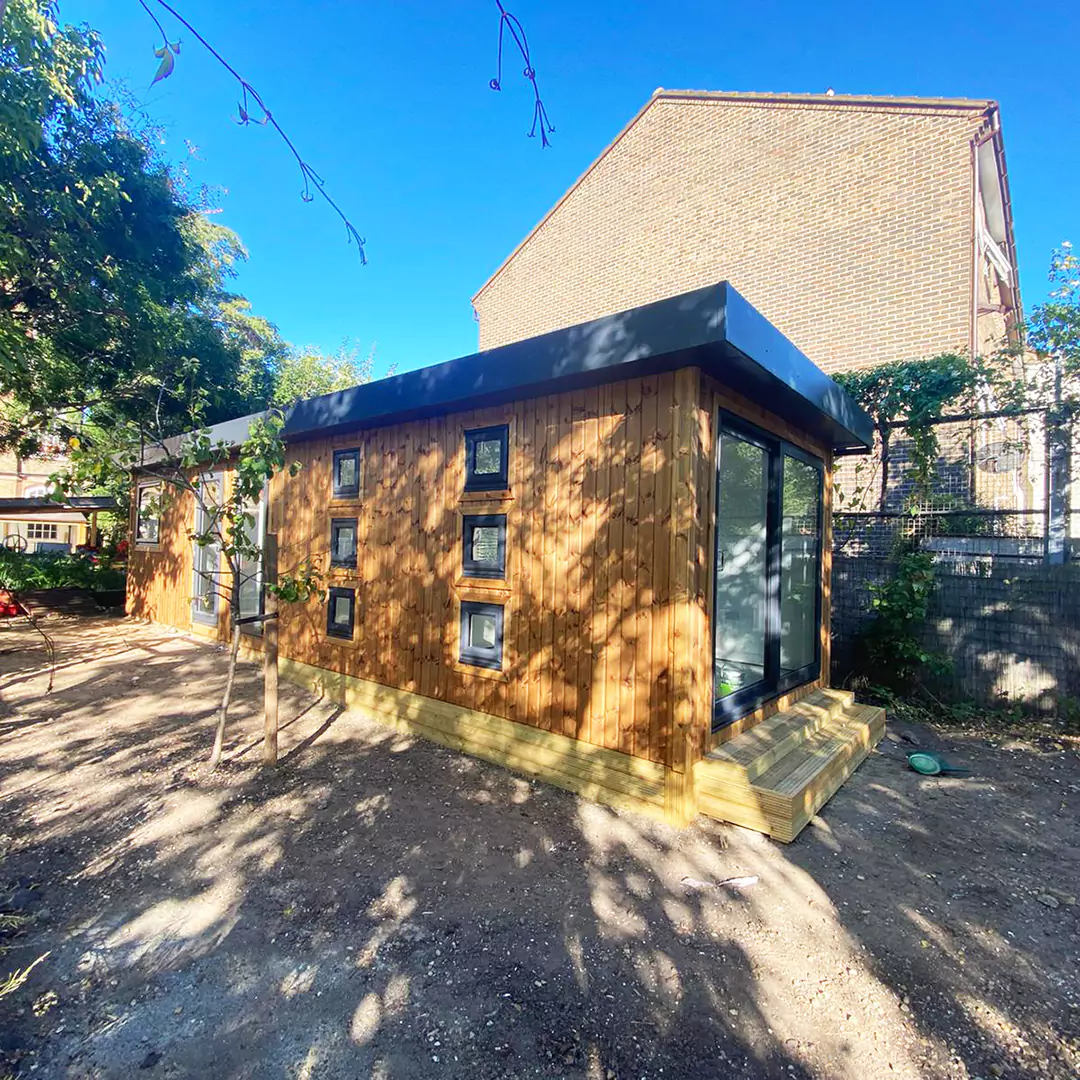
{"x":1058,"y":453}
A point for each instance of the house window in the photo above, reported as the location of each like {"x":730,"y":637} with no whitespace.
{"x":148,"y":514}
{"x":341,"y":613}
{"x":486,"y":458}
{"x":484,"y":546}
{"x":36,"y":491}
{"x":346,"y":474}
{"x":481,"y":634}
{"x":206,"y":557}
{"x":39,"y":530}
{"x":343,"y":542}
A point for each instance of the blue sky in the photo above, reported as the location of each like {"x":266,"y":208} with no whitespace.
{"x":390,"y":103}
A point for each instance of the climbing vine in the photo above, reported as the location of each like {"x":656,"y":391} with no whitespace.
{"x":914,"y":393}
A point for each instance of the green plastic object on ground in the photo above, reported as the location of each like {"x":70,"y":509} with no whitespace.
{"x":927,"y":764}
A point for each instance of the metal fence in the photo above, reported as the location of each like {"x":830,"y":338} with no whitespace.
{"x":994,"y":494}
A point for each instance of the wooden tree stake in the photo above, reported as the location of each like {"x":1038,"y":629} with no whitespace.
{"x":270,"y":656}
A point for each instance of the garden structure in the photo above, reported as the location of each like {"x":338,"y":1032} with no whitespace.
{"x":600,"y":557}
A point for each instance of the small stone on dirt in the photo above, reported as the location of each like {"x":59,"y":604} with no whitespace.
{"x":1048,"y":901}
{"x":150,"y":1060}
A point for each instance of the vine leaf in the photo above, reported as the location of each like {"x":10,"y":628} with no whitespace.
{"x":165,"y":55}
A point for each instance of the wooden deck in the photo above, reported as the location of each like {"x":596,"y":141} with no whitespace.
{"x":776,"y":776}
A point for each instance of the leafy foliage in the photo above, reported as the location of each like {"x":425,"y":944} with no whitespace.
{"x":306,"y":373}
{"x":917,"y":392}
{"x":892,"y":645}
{"x":112,"y":279}
{"x":20,"y":571}
{"x":1054,"y":326}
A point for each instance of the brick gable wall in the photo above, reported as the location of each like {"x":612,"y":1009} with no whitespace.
{"x":850,"y":228}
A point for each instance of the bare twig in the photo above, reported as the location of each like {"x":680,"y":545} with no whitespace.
{"x":509,"y":21}
{"x":249,"y":93}
{"x":49,"y":645}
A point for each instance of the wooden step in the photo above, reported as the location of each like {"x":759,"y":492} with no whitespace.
{"x":757,"y":750}
{"x":805,"y":767}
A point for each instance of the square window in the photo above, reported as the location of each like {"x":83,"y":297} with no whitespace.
{"x":486,"y":458}
{"x":481,"y":634}
{"x":343,"y":542}
{"x":340,"y":613}
{"x":346,"y":474}
{"x":483,"y":546}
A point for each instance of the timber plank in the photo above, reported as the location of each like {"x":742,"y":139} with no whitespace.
{"x":613,"y":586}
{"x":631,"y":596}
{"x":575,"y":720}
{"x":647,"y":721}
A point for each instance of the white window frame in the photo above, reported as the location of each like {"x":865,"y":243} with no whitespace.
{"x":200,"y":556}
{"x":260,"y":539}
{"x":154,"y":486}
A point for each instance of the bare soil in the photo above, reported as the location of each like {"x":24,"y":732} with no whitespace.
{"x":377,"y":906}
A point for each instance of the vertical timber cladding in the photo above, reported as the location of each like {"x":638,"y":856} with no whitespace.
{"x":717,"y":397}
{"x":607,"y":596}
{"x":604,"y":555}
{"x":160,"y":576}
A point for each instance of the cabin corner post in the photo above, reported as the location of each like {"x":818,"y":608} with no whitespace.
{"x":825,"y":628}
{"x":689,"y":629}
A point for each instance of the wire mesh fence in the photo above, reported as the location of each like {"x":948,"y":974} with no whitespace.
{"x":988,"y":495}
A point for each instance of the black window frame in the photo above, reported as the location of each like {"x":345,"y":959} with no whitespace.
{"x":498,"y":481}
{"x":334,"y":593}
{"x":774,"y":683}
{"x":353,"y":490}
{"x":479,"y":657}
{"x":469,"y":566}
{"x":335,"y":561}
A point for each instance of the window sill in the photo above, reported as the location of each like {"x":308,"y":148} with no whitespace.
{"x":495,"y":674}
{"x":146,"y":545}
{"x":487,"y":586}
{"x":497,"y":496}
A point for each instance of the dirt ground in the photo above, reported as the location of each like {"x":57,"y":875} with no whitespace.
{"x":381,"y":907}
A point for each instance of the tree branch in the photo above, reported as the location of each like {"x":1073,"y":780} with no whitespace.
{"x":509,"y":21}
{"x":309,"y":174}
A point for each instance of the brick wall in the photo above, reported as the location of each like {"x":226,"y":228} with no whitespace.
{"x":1013,"y":632}
{"x":849,"y":226}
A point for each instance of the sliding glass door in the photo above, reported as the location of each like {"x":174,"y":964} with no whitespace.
{"x":767,"y":597}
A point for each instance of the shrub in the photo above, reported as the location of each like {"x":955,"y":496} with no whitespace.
{"x":22,"y":571}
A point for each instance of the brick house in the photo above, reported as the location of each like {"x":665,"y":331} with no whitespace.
{"x":866,"y":229}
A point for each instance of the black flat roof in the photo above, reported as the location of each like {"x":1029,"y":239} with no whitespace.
{"x":32,"y":505}
{"x":713,"y":328}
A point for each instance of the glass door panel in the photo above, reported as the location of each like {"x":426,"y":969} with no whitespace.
{"x":741,"y":564}
{"x":800,"y":546}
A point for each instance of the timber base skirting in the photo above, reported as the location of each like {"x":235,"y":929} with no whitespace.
{"x":604,"y":776}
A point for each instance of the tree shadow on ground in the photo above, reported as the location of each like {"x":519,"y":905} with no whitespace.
{"x":378,"y":906}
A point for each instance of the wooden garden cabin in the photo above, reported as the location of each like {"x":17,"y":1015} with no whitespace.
{"x":600,"y":557}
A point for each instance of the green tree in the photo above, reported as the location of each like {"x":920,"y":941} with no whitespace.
{"x":189,"y":466}
{"x":1053,"y":329}
{"x":112,"y":279}
{"x":306,"y":373}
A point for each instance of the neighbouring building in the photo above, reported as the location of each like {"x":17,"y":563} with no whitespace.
{"x":866,"y":229}
{"x":28,"y":478}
